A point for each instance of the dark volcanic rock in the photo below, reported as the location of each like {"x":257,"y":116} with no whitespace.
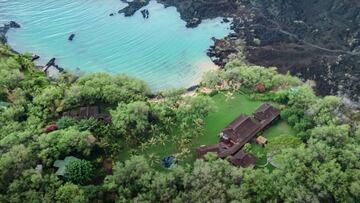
{"x":133,"y":6}
{"x":35,"y":57}
{"x":3,"y":39}
{"x":318,"y":40}
{"x":192,"y":88}
{"x":5,"y":29}
{"x":225,"y":20}
{"x":51,"y":62}
{"x":194,"y":22}
{"x":145,"y":13}
{"x":14,"y":24}
{"x":205,"y":9}
{"x":71,"y":37}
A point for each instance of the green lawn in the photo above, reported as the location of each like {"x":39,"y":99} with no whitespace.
{"x":227,"y":109}
{"x":278,"y":128}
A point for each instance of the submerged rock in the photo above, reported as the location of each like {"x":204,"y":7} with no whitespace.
{"x":71,"y":37}
{"x":133,"y":6}
{"x":51,"y":62}
{"x":35,"y":57}
{"x":145,"y":13}
{"x":52,"y":70}
{"x":225,"y":20}
{"x":14,"y":24}
{"x":4,"y":29}
{"x":194,"y":22}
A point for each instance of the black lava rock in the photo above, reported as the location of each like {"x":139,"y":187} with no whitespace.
{"x":71,"y":37}
{"x":14,"y":24}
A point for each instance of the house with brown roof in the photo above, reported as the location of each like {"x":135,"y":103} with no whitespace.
{"x":241,"y":131}
{"x":88,"y":112}
{"x":216,"y":148}
{"x":243,"y":159}
{"x":266,"y":114}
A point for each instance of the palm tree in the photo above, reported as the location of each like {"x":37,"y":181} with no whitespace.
{"x":229,"y":96}
{"x":143,"y":146}
{"x":153,"y":158}
{"x":152,"y":141}
{"x":162,"y":139}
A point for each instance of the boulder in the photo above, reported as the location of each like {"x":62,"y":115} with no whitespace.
{"x":71,"y":37}
{"x":194,"y":22}
{"x":34,"y":57}
{"x":14,"y":24}
{"x":133,"y":6}
{"x":145,"y":13}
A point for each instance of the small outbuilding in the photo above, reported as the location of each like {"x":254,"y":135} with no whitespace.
{"x":261,"y":140}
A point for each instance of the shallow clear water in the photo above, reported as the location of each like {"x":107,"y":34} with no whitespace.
{"x":160,"y":50}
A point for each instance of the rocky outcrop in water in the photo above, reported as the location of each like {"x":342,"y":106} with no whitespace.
{"x":71,"y":37}
{"x":5,"y":29}
{"x":51,"y":69}
{"x":14,"y":24}
{"x":34,"y":57}
{"x":133,"y":6}
{"x":145,"y":13}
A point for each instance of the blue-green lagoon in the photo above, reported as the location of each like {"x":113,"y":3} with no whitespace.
{"x":159,"y":50}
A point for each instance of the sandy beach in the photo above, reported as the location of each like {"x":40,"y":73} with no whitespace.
{"x":204,"y":65}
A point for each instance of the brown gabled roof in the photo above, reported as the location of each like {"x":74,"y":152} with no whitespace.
{"x":243,"y":129}
{"x":243,"y":159}
{"x":88,"y":112}
{"x":217,"y":148}
{"x":266,"y":113}
{"x":230,"y":151}
{"x":237,"y":122}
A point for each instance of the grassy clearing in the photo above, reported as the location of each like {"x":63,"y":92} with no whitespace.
{"x":278,"y":128}
{"x":228,"y":107}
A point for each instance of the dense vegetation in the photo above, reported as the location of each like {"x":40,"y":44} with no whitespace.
{"x":318,"y":164}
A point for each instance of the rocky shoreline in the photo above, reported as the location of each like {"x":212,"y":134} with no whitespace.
{"x":316,"y":40}
{"x":51,"y":69}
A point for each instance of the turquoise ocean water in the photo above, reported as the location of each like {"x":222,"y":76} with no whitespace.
{"x":159,"y":50}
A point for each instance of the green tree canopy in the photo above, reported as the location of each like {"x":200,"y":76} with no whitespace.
{"x":79,"y":171}
{"x":61,"y":142}
{"x":101,"y":87}
{"x":70,"y":193}
{"x":132,"y":120}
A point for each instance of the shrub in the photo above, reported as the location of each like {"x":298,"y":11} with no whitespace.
{"x":79,"y":171}
{"x":65,"y":122}
{"x":88,"y":124}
